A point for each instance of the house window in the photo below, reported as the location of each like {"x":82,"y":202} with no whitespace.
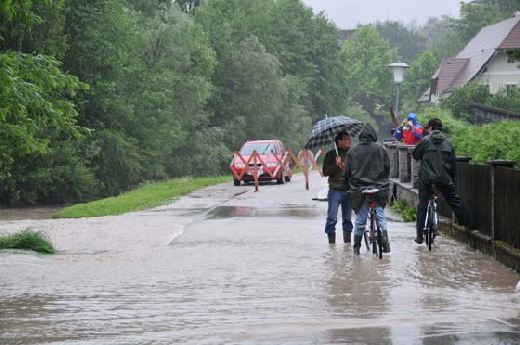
{"x":510,"y":88}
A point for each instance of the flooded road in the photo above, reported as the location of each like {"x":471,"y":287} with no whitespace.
{"x":227,"y":265}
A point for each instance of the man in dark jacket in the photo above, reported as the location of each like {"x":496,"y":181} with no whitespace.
{"x":367,"y":168}
{"x":333,"y":167}
{"x":437,"y":157}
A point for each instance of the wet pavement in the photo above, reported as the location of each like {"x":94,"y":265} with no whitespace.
{"x":227,"y":265}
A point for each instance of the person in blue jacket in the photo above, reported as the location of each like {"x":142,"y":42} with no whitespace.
{"x":411,"y":132}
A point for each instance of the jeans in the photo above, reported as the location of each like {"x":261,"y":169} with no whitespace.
{"x":336,"y":198}
{"x":362,"y":215}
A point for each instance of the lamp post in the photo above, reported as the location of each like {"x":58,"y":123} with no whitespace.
{"x":398,"y":71}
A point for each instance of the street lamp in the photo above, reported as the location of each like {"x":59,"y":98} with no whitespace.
{"x":398,"y":71}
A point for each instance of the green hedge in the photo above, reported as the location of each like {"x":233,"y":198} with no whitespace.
{"x":497,"y":140}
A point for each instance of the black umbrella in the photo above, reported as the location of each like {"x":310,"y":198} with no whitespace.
{"x":325,"y":130}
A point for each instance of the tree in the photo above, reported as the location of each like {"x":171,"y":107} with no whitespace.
{"x":506,"y":99}
{"x":458,"y":102}
{"x":417,"y":79}
{"x":365,"y":59}
{"x":33,"y":27}
{"x":441,"y":37}
{"x":476,"y":14}
{"x":179,"y":64}
{"x":408,"y":42}
{"x":105,"y":45}
{"x":306,"y":45}
{"x":253,"y":93}
{"x":37,"y":116}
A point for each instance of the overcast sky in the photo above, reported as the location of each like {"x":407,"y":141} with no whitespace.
{"x":347,"y":14}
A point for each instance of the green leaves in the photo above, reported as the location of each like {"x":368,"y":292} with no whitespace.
{"x":36,"y":111}
{"x":417,"y":77}
{"x":34,"y":99}
{"x":365,"y":59}
{"x":488,"y":142}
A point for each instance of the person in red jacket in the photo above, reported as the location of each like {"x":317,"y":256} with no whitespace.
{"x":411,"y":132}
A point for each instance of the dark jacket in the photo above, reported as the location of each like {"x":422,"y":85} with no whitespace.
{"x":331,"y":170}
{"x":368,"y":167}
{"x":437,"y":157}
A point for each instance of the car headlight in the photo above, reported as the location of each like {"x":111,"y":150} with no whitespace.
{"x":239,"y":165}
{"x":271,"y":164}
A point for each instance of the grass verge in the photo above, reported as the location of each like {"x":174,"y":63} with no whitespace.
{"x":406,"y":211}
{"x":28,"y":240}
{"x":146,"y":196}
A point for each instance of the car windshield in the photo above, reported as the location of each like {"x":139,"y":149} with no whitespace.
{"x":261,"y":148}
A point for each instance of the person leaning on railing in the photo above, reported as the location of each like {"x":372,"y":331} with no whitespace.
{"x":410,"y":132}
{"x":437,"y":157}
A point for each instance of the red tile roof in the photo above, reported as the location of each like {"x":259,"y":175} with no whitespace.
{"x":512,"y":40}
{"x":448,"y":72}
{"x":477,"y":53}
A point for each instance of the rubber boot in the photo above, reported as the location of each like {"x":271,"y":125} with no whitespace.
{"x":386,"y":242}
{"x":357,"y":244}
{"x":419,"y":238}
{"x":346,"y":236}
{"x":332,"y":237}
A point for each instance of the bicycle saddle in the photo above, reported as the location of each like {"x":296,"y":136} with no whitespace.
{"x":370,"y":191}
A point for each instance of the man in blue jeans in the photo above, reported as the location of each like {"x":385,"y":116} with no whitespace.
{"x":333,"y":167}
{"x":367,"y":168}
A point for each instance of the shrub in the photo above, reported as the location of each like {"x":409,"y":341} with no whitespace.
{"x":27,"y":239}
{"x":493,"y":141}
{"x":402,"y":207}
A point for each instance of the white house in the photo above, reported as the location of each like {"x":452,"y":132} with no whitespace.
{"x":484,"y":60}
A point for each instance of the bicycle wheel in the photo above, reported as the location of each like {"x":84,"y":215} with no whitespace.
{"x":373,"y":233}
{"x":429,"y":227}
{"x":380,"y":242}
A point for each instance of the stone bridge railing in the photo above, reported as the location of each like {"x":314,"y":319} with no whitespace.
{"x":402,"y":165}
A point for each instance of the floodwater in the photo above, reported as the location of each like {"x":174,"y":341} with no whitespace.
{"x":40,"y":212}
{"x":230,"y":266}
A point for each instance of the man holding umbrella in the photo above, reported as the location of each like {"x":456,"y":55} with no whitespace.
{"x":333,"y":167}
{"x":338,"y":130}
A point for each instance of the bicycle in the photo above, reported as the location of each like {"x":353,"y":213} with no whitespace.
{"x":374,"y":234}
{"x":431,"y":219}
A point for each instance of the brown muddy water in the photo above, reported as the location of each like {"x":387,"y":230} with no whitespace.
{"x":217,"y":267}
{"x":39,"y":212}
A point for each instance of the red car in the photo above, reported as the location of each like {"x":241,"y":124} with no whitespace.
{"x":268,"y":151}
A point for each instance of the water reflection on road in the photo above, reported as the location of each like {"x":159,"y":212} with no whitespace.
{"x":254,"y":269}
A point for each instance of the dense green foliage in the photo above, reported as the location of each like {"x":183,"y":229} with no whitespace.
{"x":97,"y":97}
{"x":27,"y":240}
{"x":478,"y":13}
{"x":407,"y":212}
{"x":39,"y":135}
{"x":146,"y":196}
{"x":366,"y":57}
{"x":489,"y":142}
{"x":481,"y":143}
{"x":459,"y":102}
{"x":418,"y":76}
{"x":408,"y":41}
